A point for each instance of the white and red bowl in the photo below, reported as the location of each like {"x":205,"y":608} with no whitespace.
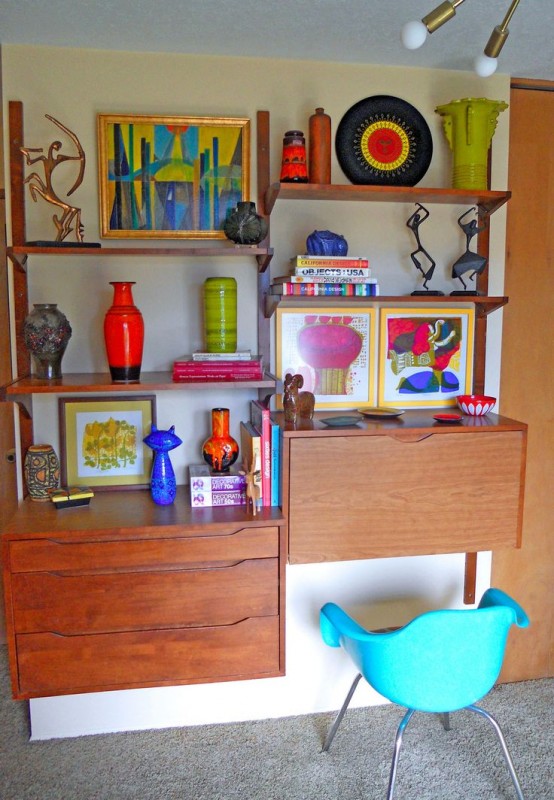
{"x":475,"y":404}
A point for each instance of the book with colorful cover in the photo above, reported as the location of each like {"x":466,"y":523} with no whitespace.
{"x":239,"y":355}
{"x":292,"y":278}
{"x":260,"y":419}
{"x":187,"y":369}
{"x":326,"y":289}
{"x":251,"y":454}
{"x":330,"y":261}
{"x":275,"y":463}
{"x":333,"y":272}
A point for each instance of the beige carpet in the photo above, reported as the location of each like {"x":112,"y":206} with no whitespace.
{"x":282,"y":760}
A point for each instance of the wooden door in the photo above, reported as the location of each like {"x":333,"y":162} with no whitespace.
{"x":527,"y":384}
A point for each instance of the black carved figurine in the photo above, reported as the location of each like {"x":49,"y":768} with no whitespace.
{"x":469,"y":261}
{"x":418,"y":217}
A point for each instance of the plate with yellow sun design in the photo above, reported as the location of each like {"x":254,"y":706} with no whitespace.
{"x":383,"y":140}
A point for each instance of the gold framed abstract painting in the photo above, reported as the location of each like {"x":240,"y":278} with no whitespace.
{"x":171,"y":177}
{"x":101,"y":441}
{"x":425,"y":356}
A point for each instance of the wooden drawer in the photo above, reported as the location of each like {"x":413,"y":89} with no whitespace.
{"x":369,"y":496}
{"x":120,"y":601}
{"x":41,"y":555}
{"x":50,"y":664}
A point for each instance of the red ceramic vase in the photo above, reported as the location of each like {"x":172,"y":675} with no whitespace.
{"x":220,"y":451}
{"x":124,"y":334}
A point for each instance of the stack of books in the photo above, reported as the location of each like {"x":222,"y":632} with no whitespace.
{"x":327,"y":276}
{"x":260,"y":443}
{"x":198,"y":367}
{"x":208,"y":488}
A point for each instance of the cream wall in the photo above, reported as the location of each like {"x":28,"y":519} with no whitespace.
{"x":73,"y":86}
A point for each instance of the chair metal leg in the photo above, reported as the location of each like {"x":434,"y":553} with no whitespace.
{"x":504,"y":746}
{"x":397,"y":744}
{"x":445,"y":719}
{"x":338,"y":719}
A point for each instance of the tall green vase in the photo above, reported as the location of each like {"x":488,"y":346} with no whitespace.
{"x":220,"y":315}
{"x":469,"y":126}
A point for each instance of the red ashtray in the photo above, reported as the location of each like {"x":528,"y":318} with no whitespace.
{"x":453,"y":417}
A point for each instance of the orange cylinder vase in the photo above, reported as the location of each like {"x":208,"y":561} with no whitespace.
{"x":124,"y":334}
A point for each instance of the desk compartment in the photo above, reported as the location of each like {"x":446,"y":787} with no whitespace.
{"x":72,"y":604}
{"x":50,"y":663}
{"x":377,"y":496}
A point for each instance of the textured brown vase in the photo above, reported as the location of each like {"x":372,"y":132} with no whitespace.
{"x":42,"y":471}
{"x":319,"y":147}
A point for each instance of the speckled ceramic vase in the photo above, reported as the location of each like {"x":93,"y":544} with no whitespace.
{"x":46,"y":332}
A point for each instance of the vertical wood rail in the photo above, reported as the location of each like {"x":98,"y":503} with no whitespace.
{"x":17,"y":194}
{"x":479,"y":364}
{"x":262,"y":166}
{"x":17,"y":173}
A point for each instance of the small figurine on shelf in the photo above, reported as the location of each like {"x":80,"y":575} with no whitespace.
{"x":297,"y":404}
{"x":469,"y":261}
{"x":252,"y":487}
{"x":69,"y":219}
{"x":418,"y":217}
{"x":163,"y":486}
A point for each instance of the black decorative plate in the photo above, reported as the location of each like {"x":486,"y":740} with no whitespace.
{"x":383,"y":140}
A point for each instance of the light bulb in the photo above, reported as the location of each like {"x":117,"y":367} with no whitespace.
{"x":485,"y":65}
{"x":413,"y":34}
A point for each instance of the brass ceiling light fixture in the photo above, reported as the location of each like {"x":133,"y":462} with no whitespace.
{"x":415,"y":33}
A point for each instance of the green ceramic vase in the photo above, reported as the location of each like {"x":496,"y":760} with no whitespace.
{"x":220,"y":315}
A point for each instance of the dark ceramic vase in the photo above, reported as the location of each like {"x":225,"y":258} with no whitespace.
{"x":244,"y":226}
{"x":46,"y":332}
{"x":220,"y":450}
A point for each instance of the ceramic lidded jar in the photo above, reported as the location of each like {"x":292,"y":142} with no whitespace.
{"x":46,"y":332}
{"x":293,"y":164}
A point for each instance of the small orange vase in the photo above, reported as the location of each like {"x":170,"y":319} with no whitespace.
{"x":124,"y":334}
{"x":220,"y":451}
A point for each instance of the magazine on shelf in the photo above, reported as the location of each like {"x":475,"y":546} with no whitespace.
{"x":260,"y":419}
{"x":251,"y":454}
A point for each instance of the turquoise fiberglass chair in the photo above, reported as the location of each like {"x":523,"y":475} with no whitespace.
{"x":441,"y":661}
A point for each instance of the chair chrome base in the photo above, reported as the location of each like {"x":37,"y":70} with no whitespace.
{"x":445,"y":718}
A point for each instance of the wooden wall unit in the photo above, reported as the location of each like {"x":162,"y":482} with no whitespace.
{"x":130,"y":594}
{"x":127,"y":595}
{"x":411,"y":486}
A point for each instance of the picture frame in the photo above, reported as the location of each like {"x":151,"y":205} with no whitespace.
{"x":165,"y":177}
{"x":425,"y":356}
{"x":101,"y":441}
{"x":334,"y":351}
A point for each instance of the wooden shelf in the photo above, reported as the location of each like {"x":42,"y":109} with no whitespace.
{"x":489,"y":201}
{"x":101,"y":382}
{"x":483,"y":305}
{"x":263,"y":255}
